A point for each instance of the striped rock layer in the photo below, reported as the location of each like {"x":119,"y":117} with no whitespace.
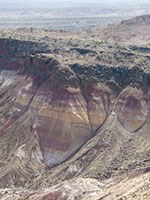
{"x":131,"y":108}
{"x":63,"y":118}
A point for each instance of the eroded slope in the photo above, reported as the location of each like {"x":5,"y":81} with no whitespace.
{"x":51,"y":108}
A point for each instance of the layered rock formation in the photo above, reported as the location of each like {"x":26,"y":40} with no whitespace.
{"x":62,"y":124}
{"x":65,"y":113}
{"x":132,"y":109}
{"x":64,"y":117}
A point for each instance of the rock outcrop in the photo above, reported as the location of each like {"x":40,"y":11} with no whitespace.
{"x":71,"y":111}
{"x":64,"y":117}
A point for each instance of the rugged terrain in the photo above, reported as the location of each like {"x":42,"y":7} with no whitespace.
{"x":74,"y":111}
{"x":133,"y":31}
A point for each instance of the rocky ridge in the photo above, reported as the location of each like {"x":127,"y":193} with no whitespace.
{"x":132,"y":31}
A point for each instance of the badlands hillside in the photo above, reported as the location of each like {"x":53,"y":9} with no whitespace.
{"x":75,"y":113}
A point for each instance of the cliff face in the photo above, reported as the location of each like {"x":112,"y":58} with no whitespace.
{"x":73,"y":112}
{"x":50,"y":109}
{"x":61,"y":117}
